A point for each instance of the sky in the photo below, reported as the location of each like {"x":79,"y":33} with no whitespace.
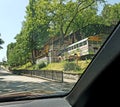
{"x":12,"y":14}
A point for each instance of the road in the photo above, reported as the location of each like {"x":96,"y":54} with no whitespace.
{"x":10,"y":83}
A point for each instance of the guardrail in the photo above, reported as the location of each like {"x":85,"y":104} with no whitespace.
{"x":48,"y":74}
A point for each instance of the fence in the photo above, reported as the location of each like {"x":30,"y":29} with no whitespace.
{"x":49,"y":74}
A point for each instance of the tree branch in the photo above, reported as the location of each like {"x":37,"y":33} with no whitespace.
{"x":77,"y":11}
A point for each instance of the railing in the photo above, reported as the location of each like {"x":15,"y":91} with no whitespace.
{"x":48,"y":74}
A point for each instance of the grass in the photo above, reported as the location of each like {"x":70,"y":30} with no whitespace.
{"x":55,"y":66}
{"x":59,"y":66}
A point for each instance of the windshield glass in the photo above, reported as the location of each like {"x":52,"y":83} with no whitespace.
{"x":46,"y":45}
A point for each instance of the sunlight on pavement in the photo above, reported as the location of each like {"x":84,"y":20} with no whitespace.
{"x":21,"y":79}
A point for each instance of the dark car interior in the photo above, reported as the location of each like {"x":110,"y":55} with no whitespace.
{"x":99,"y":84}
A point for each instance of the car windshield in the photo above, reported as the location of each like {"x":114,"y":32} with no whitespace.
{"x":46,"y":45}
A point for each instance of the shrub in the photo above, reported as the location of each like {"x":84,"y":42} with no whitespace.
{"x":71,"y":66}
{"x":25,"y":66}
{"x":39,"y":66}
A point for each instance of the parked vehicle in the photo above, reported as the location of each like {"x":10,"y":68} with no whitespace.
{"x":84,"y":48}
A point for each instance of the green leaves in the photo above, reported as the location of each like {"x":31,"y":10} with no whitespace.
{"x":50,"y":18}
{"x":1,"y":42}
{"x":111,"y":14}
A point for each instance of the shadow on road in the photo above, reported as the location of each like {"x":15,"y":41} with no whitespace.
{"x":7,"y":86}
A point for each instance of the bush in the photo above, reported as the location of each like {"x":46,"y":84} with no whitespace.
{"x":39,"y":66}
{"x":71,"y":66}
{"x":25,"y":66}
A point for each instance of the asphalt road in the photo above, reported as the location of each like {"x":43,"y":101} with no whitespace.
{"x":10,"y":83}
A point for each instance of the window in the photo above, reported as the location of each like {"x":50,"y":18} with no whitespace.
{"x":54,"y":46}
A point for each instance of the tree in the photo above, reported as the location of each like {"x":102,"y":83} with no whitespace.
{"x":51,"y":18}
{"x":11,"y":56}
{"x":61,"y":17}
{"x":111,"y":14}
{"x":1,"y":42}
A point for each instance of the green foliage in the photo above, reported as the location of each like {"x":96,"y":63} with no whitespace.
{"x":48,"y":18}
{"x":111,"y":14}
{"x":17,"y":53}
{"x":1,"y":42}
{"x":71,"y":66}
{"x":25,"y":66}
{"x":39,"y":66}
